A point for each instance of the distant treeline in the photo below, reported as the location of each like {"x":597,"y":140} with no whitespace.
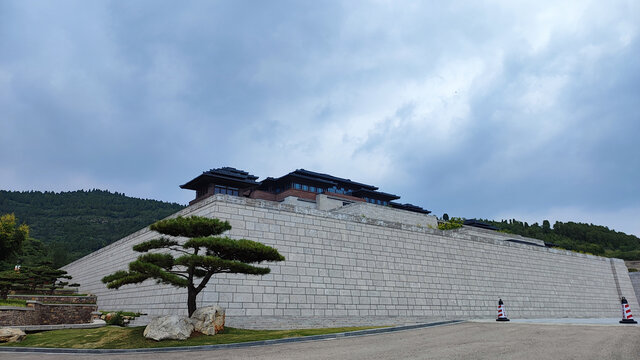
{"x":588,"y":238}
{"x":72,"y":224}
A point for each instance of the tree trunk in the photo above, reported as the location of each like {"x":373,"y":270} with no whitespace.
{"x":191,"y":300}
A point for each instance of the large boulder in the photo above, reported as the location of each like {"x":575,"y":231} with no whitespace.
{"x":169,"y":327}
{"x":208,"y":320}
{"x":11,"y":335}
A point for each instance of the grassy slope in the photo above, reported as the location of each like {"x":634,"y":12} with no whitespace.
{"x":114,"y":337}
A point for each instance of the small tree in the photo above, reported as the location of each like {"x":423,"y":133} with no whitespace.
{"x":11,"y":236}
{"x":200,"y":257}
{"x":44,"y":276}
{"x":10,"y":280}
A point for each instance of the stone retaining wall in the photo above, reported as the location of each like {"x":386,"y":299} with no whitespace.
{"x":14,"y":316}
{"x":37,"y":313}
{"x":53,"y":299}
{"x":343,"y":269}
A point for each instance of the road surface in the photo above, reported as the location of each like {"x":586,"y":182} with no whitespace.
{"x":471,"y":340}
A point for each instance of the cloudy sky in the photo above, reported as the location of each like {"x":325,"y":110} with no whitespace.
{"x":494,"y":109}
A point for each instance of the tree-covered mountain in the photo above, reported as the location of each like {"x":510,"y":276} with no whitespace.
{"x":74,"y":224}
{"x":589,"y":238}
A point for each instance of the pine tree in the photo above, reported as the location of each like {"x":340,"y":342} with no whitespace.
{"x":46,"y":277}
{"x":203,"y":255}
{"x":10,"y":280}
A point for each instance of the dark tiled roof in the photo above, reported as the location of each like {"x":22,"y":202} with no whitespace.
{"x":228,"y":174}
{"x":409,"y":207}
{"x":479,"y":224}
{"x":333,"y":179}
{"x":378,"y":194}
{"x":232,"y":173}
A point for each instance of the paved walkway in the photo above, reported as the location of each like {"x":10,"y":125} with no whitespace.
{"x":566,"y":321}
{"x":471,"y":340}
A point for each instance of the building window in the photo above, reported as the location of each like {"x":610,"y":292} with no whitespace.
{"x":312,"y":188}
{"x":225,"y":190}
{"x":297,"y":186}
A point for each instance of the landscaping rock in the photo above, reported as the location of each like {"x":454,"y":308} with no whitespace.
{"x":11,"y":335}
{"x":208,"y":320}
{"x":169,"y":327}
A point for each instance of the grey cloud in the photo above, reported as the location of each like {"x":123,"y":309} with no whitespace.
{"x":472,"y":109}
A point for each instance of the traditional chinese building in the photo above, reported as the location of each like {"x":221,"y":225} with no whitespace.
{"x":300,"y":187}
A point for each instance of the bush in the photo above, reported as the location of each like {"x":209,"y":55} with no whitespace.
{"x":115,"y":319}
{"x":453,"y":223}
{"x":119,"y":318}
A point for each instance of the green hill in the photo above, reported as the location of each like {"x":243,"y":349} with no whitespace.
{"x":589,"y":238}
{"x":74,"y":224}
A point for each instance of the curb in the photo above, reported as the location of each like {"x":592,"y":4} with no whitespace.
{"x":227,"y":346}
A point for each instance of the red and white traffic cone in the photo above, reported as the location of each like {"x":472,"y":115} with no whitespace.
{"x":502,"y":314}
{"x":627,"y":318}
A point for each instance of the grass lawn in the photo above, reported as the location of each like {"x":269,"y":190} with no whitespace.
{"x":13,"y":302}
{"x":115,"y":337}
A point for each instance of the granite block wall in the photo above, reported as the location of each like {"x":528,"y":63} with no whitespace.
{"x":389,"y":214}
{"x":345,"y":269}
{"x":635,"y":282}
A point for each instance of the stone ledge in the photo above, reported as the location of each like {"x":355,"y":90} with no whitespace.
{"x":28,"y":328}
{"x":57,"y":299}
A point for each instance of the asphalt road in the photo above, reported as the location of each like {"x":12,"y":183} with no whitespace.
{"x":459,"y":341}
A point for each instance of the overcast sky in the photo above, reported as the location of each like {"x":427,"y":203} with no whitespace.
{"x":505,"y":109}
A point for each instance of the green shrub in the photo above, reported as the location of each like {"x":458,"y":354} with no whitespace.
{"x":633,"y":270}
{"x":115,"y":319}
{"x":119,"y":318}
{"x":453,"y":223}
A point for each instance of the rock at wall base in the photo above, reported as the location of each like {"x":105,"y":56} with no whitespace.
{"x":168,"y":327}
{"x":11,"y":335}
{"x":208,"y":320}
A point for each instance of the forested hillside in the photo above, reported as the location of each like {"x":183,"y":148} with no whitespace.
{"x":589,"y":238}
{"x":74,"y":224}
